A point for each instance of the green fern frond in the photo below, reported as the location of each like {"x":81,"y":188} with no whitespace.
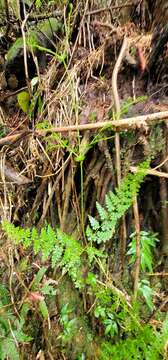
{"x":116,"y":204}
{"x":71,"y":260}
{"x":17,"y":234}
{"x":48,"y":241}
{"x":63,"y":250}
{"x":93,"y":253}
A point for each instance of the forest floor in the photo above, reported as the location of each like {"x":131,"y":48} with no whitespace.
{"x":69,"y":138}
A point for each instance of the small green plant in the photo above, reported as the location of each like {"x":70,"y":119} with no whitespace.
{"x":148,"y":241}
{"x":109,"y":320}
{"x":38,"y":3}
{"x":145,"y":343}
{"x":11,"y":328}
{"x":67,"y":323}
{"x":145,"y":290}
{"x":114,"y":312}
{"x":120,"y":320}
{"x":55,"y":141}
{"x":33,"y":39}
{"x":3,"y":131}
{"x":24,"y":101}
{"x":129,"y":102}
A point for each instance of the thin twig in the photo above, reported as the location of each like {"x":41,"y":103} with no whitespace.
{"x":117,"y":104}
{"x":12,"y":140}
{"x":161,"y":164}
{"x":53,"y":189}
{"x":116,"y":98}
{"x":13,"y":334}
{"x":158,"y":274}
{"x":6,"y":96}
{"x":117,"y":7}
{"x":7,"y":17}
{"x":138,"y":248}
{"x":76,"y":42}
{"x":23,"y":24}
{"x":52,"y":14}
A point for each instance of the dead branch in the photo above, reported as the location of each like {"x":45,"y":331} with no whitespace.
{"x":153,"y":172}
{"x":116,"y":7}
{"x":13,"y":140}
{"x":116,"y":125}
{"x":38,"y":17}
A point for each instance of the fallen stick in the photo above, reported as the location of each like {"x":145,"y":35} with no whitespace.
{"x":116,"y":125}
{"x":14,"y":139}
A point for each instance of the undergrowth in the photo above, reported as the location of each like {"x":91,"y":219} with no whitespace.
{"x":124,"y":331}
{"x":144,"y":343}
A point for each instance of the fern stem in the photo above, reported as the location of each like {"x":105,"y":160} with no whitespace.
{"x":138,"y":247}
{"x":82,"y":201}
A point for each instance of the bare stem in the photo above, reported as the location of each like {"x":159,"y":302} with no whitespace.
{"x":138,"y":248}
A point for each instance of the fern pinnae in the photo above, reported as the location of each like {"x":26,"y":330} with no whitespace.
{"x":101,"y":211}
{"x":56,"y":255}
{"x":94,"y":223}
{"x":35,"y":240}
{"x":110,"y":201}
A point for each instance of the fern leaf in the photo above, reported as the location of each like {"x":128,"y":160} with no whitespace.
{"x":43,"y":309}
{"x":103,"y":236}
{"x":94,"y":223}
{"x":9,"y":350}
{"x":37,"y":279}
{"x":56,"y":255}
{"x":47,"y":240}
{"x":102,"y":212}
{"x":35,"y":240}
{"x":90,"y":234}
